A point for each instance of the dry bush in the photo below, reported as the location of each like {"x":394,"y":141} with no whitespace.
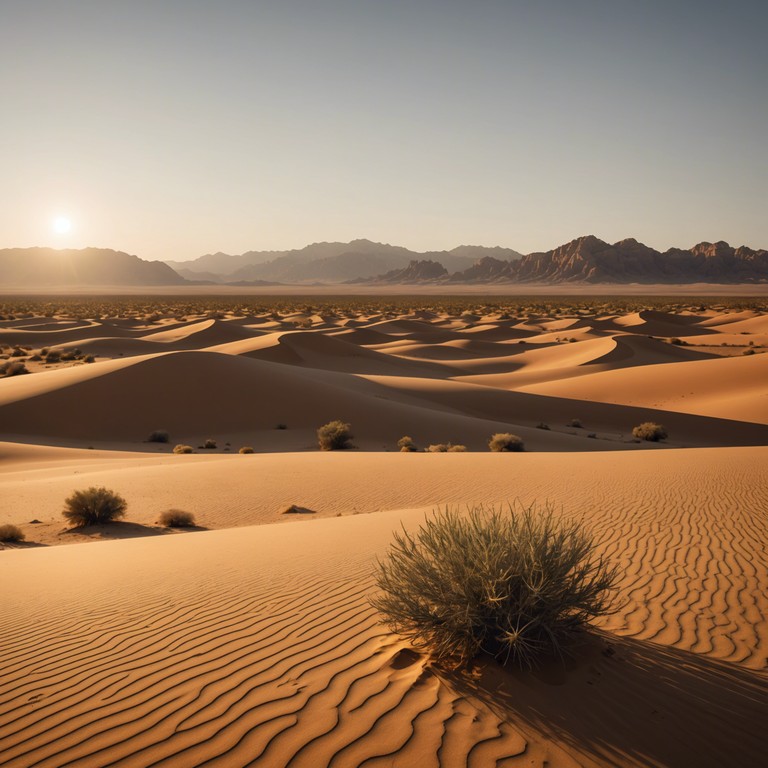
{"x":15,"y":368}
{"x":180,"y":448}
{"x":516,"y":584}
{"x":649,"y":430}
{"x":11,"y":533}
{"x":177,"y":518}
{"x":210,"y":444}
{"x":334,"y":436}
{"x":575,"y":423}
{"x":446,"y":448}
{"x":504,"y":441}
{"x":542,"y":425}
{"x":93,"y":505}
{"x":246,"y":449}
{"x":406,"y":445}
{"x":158,"y":436}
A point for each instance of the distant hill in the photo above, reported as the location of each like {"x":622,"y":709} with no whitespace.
{"x":327,"y":262}
{"x":416,"y":272}
{"x":48,"y":267}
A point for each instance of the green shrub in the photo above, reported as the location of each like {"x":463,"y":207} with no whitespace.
{"x":158,"y":436}
{"x":93,"y":505}
{"x":246,"y":449}
{"x":649,"y":430}
{"x":10,"y":532}
{"x":177,"y":518}
{"x":515,"y":584}
{"x":406,"y":445}
{"x":504,"y":441}
{"x":183,"y":448}
{"x":334,"y":436}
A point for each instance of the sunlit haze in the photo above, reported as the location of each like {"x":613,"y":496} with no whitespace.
{"x":180,"y":128}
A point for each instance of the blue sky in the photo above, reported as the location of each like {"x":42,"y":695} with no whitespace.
{"x":170,"y":129}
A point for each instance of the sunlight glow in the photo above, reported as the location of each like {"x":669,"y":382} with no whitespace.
{"x":62,"y":225}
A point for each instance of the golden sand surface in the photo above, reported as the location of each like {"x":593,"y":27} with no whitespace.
{"x":250,"y":640}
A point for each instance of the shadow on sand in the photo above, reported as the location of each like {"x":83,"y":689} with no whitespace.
{"x":123,"y":530}
{"x":630,"y":702}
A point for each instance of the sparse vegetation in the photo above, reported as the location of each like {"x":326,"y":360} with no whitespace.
{"x":158,"y":436}
{"x":334,"y":436}
{"x":181,"y":448}
{"x":504,"y":441}
{"x":446,"y":448}
{"x":649,"y":430}
{"x":575,"y":423}
{"x":516,"y":584}
{"x":93,"y":505}
{"x":542,"y":425}
{"x":210,"y":445}
{"x":177,"y":518}
{"x":246,"y":449}
{"x":406,"y":445}
{"x":11,"y":533}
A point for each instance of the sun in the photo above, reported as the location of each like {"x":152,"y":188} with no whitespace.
{"x":62,"y":225}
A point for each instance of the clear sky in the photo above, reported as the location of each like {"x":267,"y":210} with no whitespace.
{"x":172,"y":128}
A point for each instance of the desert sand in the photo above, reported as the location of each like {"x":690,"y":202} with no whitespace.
{"x":250,"y":639}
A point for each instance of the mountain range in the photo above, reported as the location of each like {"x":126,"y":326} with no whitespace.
{"x":583,"y":260}
{"x":49,"y":267}
{"x":327,"y":262}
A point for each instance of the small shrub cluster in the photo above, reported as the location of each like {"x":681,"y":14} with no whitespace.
{"x":93,"y":505}
{"x":158,"y":436}
{"x":515,"y":584}
{"x":649,"y":430}
{"x":11,"y":533}
{"x":406,"y":445}
{"x":177,"y":518}
{"x":16,"y":368}
{"x":334,"y":436}
{"x":246,"y":449}
{"x":181,"y":448}
{"x":504,"y":441}
{"x":210,"y":445}
{"x":446,"y":448}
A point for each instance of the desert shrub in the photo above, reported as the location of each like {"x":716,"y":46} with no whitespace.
{"x":158,"y":436}
{"x":93,"y":505}
{"x":209,"y":444}
{"x":649,"y":430}
{"x":183,"y":448}
{"x":515,"y":584}
{"x":177,"y":518}
{"x":53,"y":356}
{"x":15,"y":368}
{"x":542,"y":425}
{"x":446,"y":448}
{"x":9,"y":532}
{"x":334,"y":436}
{"x":89,"y":359}
{"x":246,"y":449}
{"x":575,"y":423}
{"x":748,"y":351}
{"x":281,"y":426}
{"x":406,"y":445}
{"x":504,"y":441}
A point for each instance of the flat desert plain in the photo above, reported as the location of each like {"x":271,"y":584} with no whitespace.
{"x":250,"y":639}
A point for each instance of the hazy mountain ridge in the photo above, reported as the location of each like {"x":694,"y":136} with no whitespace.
{"x":37,"y":267}
{"x":332,"y":262}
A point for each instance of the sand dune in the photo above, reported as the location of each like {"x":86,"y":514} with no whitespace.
{"x":729,"y":388}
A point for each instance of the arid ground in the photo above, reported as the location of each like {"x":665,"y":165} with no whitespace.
{"x":250,"y":639}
